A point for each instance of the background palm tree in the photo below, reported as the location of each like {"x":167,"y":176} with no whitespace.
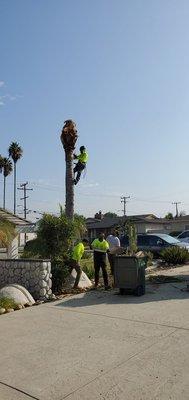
{"x":15,"y":152}
{"x":1,"y":163}
{"x":68,"y":138}
{"x":7,"y":169}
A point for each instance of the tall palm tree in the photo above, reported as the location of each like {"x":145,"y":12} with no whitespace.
{"x":15,"y":152}
{"x":7,"y":169}
{"x":68,"y":138}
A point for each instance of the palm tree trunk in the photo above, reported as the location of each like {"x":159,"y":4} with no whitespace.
{"x":14,"y":188}
{"x":69,"y":208}
{"x":4,"y":192}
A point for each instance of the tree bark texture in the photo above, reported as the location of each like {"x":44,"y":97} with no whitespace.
{"x":69,"y":208}
{"x":68,"y":138}
{"x":14,"y":188}
{"x":4,"y":193}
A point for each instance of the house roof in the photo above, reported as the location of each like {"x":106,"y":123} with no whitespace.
{"x":181,"y":219}
{"x":14,"y":219}
{"x":104,"y":223}
{"x":111,"y":222}
{"x":26,"y":229}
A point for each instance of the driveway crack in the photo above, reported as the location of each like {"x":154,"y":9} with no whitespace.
{"x":19,"y":390}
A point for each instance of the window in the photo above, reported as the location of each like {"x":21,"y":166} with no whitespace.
{"x":143,"y":241}
{"x":184,"y":235}
{"x":155,"y":241}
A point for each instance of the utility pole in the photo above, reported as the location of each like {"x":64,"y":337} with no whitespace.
{"x":176,"y":205}
{"x":124,"y":201}
{"x":24,"y":188}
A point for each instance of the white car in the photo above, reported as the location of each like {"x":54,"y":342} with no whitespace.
{"x":184,"y":237}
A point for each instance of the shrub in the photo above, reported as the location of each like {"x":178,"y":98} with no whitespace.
{"x":149,"y":257}
{"x":6,"y":303}
{"x":7,"y":232}
{"x":88,"y":267}
{"x":175,"y":255}
{"x":55,"y":236}
{"x":132,"y":236}
{"x":59,"y":274}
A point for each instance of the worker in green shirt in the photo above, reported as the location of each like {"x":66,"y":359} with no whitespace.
{"x":81,"y":165}
{"x":100,"y":247}
{"x":76,"y":257}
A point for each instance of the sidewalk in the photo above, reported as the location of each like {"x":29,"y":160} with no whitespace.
{"x":99,"y":345}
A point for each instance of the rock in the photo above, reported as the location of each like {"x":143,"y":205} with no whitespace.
{"x":43,"y":284}
{"x":9,"y":310}
{"x":42,"y":292}
{"x":38,"y":302}
{"x":2,"y":311}
{"x":28,"y":304}
{"x":18,"y":293}
{"x":18,"y":307}
{"x":52,"y":296}
{"x":84,"y":282}
{"x":43,"y":274}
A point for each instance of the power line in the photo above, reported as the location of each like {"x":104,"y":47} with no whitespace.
{"x":124,"y":201}
{"x":24,"y":188}
{"x":176,"y":206}
{"x":57,"y":188}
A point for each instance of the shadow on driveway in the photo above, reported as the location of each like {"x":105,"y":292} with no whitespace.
{"x":154,"y":293}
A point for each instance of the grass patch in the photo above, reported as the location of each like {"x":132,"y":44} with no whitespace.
{"x":7,"y":303}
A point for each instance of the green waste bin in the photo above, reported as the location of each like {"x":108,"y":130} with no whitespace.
{"x":129,"y":274}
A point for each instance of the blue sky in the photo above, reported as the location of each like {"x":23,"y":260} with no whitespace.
{"x":120,"y":70}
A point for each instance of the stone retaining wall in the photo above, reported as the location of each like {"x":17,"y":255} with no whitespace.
{"x":34,"y":275}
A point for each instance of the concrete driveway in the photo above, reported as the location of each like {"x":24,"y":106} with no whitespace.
{"x":98,"y":346}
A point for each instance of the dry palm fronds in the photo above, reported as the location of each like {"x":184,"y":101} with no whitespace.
{"x":69,"y":135}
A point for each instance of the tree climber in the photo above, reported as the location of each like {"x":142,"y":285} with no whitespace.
{"x":81,"y":165}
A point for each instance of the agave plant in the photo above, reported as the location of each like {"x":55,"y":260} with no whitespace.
{"x":68,"y":138}
{"x":7,"y":169}
{"x":15,"y":152}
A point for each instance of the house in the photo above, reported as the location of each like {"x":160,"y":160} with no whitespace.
{"x":25,"y":231}
{"x":144,"y":223}
{"x":179,"y":224}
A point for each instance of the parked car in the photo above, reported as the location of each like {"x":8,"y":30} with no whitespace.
{"x":184,"y":237}
{"x":154,"y":243}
